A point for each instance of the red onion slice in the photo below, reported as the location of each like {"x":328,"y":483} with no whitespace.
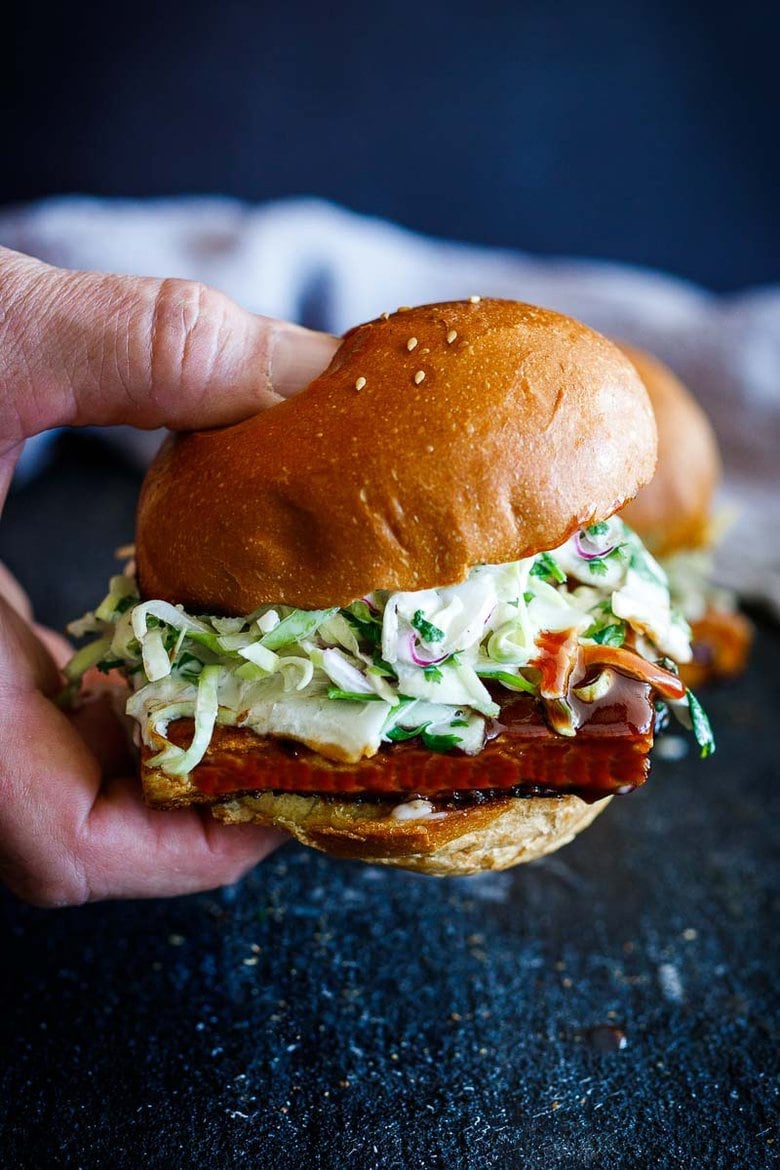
{"x":591,"y":556}
{"x":415,"y":657}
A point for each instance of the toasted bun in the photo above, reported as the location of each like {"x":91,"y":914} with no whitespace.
{"x":438,"y":438}
{"x":674,"y":510}
{"x":494,"y":835}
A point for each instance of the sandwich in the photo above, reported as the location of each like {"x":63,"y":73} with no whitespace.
{"x":676,"y":518}
{"x":398,"y":615}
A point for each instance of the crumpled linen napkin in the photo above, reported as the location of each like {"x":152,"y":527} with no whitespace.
{"x":309,"y":261}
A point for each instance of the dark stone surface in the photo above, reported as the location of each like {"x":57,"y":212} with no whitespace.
{"x":610,"y":1006}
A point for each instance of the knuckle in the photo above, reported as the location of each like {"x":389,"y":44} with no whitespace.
{"x":186,"y":332}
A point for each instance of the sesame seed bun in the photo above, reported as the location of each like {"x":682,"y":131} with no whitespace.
{"x":674,"y":511}
{"x":438,"y":438}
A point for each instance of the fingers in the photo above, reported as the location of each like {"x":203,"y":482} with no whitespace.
{"x":25,"y":662}
{"x":165,"y":853}
{"x":82,"y":348}
{"x":13,"y":593}
{"x":68,"y":835}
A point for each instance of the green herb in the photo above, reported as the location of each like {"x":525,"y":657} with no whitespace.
{"x":612,"y":635}
{"x":435,"y":743}
{"x":399,"y":734}
{"x":381,"y":667}
{"x":429,"y":632}
{"x":362,"y":612}
{"x":528,"y":597}
{"x":597,"y":567}
{"x":170,"y":638}
{"x":364,"y":627}
{"x":432,"y":674}
{"x":548,"y":569}
{"x":440,"y":743}
{"x":597,"y":529}
{"x":107,"y":664}
{"x":125,"y":603}
{"x":643,"y":567}
{"x":515,"y":682}
{"x":459,"y":723}
{"x":354,"y":696}
{"x":188,"y":665}
{"x":701,"y":726}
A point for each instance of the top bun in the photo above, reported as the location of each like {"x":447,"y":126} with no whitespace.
{"x":674,"y":510}
{"x":438,"y":438}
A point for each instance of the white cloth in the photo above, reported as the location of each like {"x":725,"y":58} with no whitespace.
{"x":305,"y":260}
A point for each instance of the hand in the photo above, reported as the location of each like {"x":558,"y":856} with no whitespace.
{"x":86,"y":349}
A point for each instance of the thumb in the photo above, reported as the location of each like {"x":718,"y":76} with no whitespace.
{"x":84,"y":348}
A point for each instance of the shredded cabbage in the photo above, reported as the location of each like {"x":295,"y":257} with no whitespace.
{"x":389,"y":666}
{"x":178,"y":761}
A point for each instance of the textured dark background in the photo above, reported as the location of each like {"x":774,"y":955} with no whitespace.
{"x":642,"y":131}
{"x":328,"y":1015}
{"x":324,"y":1014}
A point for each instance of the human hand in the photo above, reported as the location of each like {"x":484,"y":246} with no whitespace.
{"x":82,"y":349}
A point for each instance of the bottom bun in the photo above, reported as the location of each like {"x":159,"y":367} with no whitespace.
{"x":421,"y":835}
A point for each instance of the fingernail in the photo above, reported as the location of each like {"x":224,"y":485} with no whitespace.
{"x":298,"y":356}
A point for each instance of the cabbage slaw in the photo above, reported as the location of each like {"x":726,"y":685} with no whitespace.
{"x":390,"y":666}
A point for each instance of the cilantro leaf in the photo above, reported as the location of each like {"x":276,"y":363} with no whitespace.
{"x":548,"y":569}
{"x":643,"y":567}
{"x":107,"y":664}
{"x":597,"y":529}
{"x":426,"y":629}
{"x":354,"y":696}
{"x":435,"y":743}
{"x":188,"y":665}
{"x":382,"y":667}
{"x":612,"y":635}
{"x":701,"y":726}
{"x":514,"y":682}
{"x":399,"y":734}
{"x":364,"y":627}
{"x":440,"y":743}
{"x":432,"y":674}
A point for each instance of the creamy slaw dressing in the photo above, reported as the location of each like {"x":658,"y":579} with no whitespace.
{"x":389,"y":667}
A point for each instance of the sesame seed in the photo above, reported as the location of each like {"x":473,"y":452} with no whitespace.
{"x":411,"y":344}
{"x":403,"y":308}
{"x":385,"y":316}
{"x":475,"y":300}
{"x":453,"y":333}
{"x":419,"y":376}
{"x":360,"y":383}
